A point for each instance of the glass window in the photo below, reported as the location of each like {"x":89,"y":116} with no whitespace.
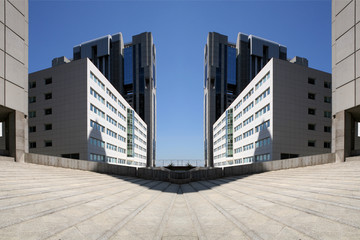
{"x":311,"y":96}
{"x":48,"y":81}
{"x":32,"y":144}
{"x":128,"y":65}
{"x":311,"y":143}
{"x":32,"y":129}
{"x":48,"y":126}
{"x":311,"y":81}
{"x":48,"y":143}
{"x":311,"y":126}
{"x":311,"y":111}
{"x":32,"y":114}
{"x":327,"y":144}
{"x":32,"y":99}
{"x":231,"y":65}
{"x":327,"y":99}
{"x":327,"y":114}
{"x":48,"y":96}
{"x":327,"y":85}
{"x":48,"y":111}
{"x":327,"y":129}
{"x":32,"y":84}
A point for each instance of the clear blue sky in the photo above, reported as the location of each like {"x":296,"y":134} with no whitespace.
{"x":180,"y":30}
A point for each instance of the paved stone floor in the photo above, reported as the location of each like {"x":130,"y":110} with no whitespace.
{"x":39,"y":202}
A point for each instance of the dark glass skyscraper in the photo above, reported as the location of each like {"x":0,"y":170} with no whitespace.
{"x":130,"y":68}
{"x":229,"y":68}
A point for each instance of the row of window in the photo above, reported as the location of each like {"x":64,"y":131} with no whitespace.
{"x":47,"y":81}
{"x":217,"y":141}
{"x":312,"y":143}
{"x":139,"y":139}
{"x":47,"y":127}
{"x":47,"y":143}
{"x":312,"y":111}
{"x":97,"y":157}
{"x":248,"y":94}
{"x":248,"y":133}
{"x":220,"y":147}
{"x":238,"y":127}
{"x":47,"y":96}
{"x":111,"y":120}
{"x":139,"y":147}
{"x":97,"y":142}
{"x":123,"y":161}
{"x":248,"y":147}
{"x":113,"y":97}
{"x":142,"y":125}
{"x":111,"y":107}
{"x":262,"y":111}
{"x":97,"y":111}
{"x":262,"y":126}
{"x":221,"y":130}
{"x":248,"y":120}
{"x":97,"y":96}
{"x":248,"y":107}
{"x":263,"y":142}
{"x":262,"y":157}
{"x":262,"y":81}
{"x":97,"y":81}
{"x":137,"y":155}
{"x":262,"y":96}
{"x":312,"y":96}
{"x":47,"y":111}
{"x":313,"y":127}
{"x":312,"y":81}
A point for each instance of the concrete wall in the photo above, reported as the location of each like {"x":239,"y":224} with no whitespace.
{"x":179,"y":177}
{"x":279,"y":164}
{"x":99,"y":167}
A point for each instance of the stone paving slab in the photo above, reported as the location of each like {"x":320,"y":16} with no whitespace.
{"x":40,"y":202}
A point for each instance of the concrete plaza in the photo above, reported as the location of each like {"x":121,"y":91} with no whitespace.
{"x":41,"y":202}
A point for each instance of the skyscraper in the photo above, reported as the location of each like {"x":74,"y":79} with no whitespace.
{"x":130,"y":68}
{"x":229,"y":68}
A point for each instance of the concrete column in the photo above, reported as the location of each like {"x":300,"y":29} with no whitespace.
{"x":342,"y":135}
{"x":18,"y":136}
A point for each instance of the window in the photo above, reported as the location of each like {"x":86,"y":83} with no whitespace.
{"x":97,"y":157}
{"x":311,"y":126}
{"x":48,"y":143}
{"x":48,"y":81}
{"x":262,"y":111}
{"x":48,"y":111}
{"x":32,"y":129}
{"x":48,"y":96}
{"x":327,"y":144}
{"x":311,"y":111}
{"x":288,"y":155}
{"x":32,"y":99}
{"x":97,"y":111}
{"x":327,"y":99}
{"x":311,"y":96}
{"x":97,"y":126}
{"x":311,"y":81}
{"x":32,"y":144}
{"x":32,"y":85}
{"x":311,"y":143}
{"x":97,"y":96}
{"x":97,"y":81}
{"x":97,"y":142}
{"x":327,"y":85}
{"x":48,"y":127}
{"x":71,"y":155}
{"x":327,"y":129}
{"x":327,"y":114}
{"x":262,"y":126}
{"x":32,"y":114}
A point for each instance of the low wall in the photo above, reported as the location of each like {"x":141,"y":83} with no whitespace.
{"x":178,"y":177}
{"x":351,"y":159}
{"x":100,"y":167}
{"x":279,"y":164}
{"x":9,"y":159}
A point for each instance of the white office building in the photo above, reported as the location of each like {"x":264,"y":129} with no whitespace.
{"x":75,"y":112}
{"x":284,"y":112}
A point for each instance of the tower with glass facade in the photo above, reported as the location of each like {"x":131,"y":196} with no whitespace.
{"x":229,"y":68}
{"x":130,"y":67}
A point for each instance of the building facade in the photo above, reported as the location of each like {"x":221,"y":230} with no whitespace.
{"x":75,"y":112}
{"x":229,"y":68}
{"x":14,"y":36}
{"x":284,"y":112}
{"x":131,"y":69}
{"x":346,"y":78}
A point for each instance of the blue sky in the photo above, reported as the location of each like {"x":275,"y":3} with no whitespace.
{"x":180,"y":30}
